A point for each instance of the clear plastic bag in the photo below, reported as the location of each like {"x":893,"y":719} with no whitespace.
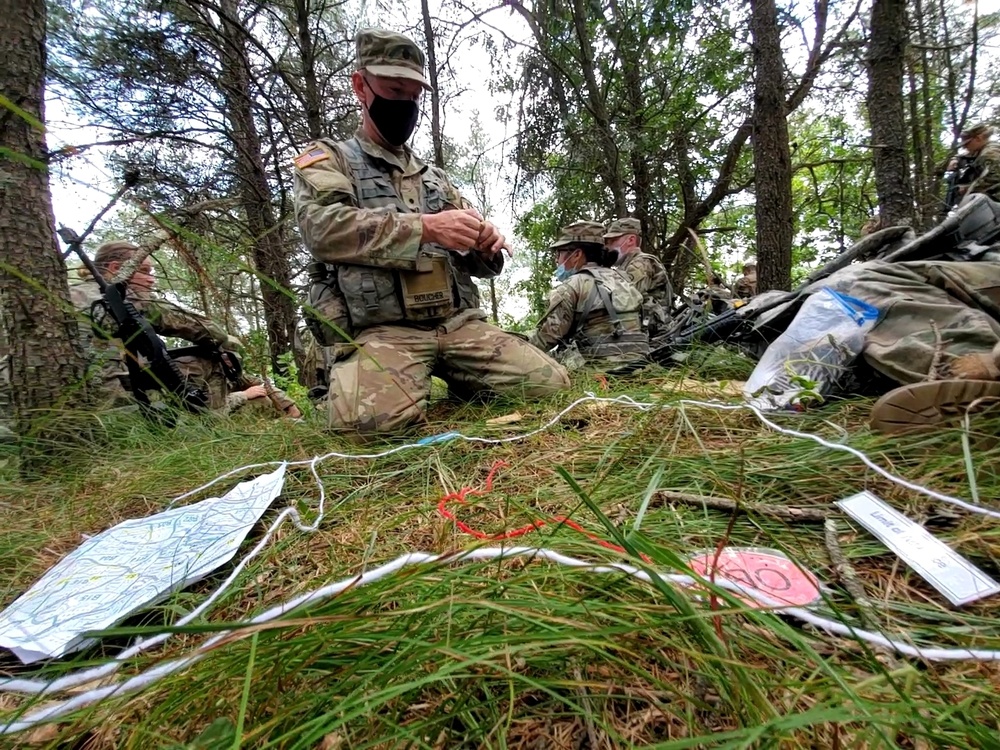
{"x":809,"y":360}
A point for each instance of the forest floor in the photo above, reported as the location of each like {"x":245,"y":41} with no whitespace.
{"x":526,"y":653}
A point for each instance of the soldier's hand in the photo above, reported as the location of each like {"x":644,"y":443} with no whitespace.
{"x":254,"y":392}
{"x":454,"y":230}
{"x":490,"y":241}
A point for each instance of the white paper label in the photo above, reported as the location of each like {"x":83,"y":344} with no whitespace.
{"x":955,"y":577}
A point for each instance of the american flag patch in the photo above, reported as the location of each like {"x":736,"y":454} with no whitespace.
{"x":310,"y":157}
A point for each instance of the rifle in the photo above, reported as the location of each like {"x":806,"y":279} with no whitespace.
{"x":967,"y":232}
{"x":229,"y":362}
{"x":961,"y":175}
{"x":146,"y":356}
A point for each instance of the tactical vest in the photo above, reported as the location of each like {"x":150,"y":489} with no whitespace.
{"x":622,"y":310}
{"x":377,"y":296}
{"x":656,"y":303}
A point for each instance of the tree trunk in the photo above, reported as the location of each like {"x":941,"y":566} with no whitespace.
{"x":255,"y":195}
{"x":307,"y":52}
{"x":47,"y":363}
{"x":598,"y":106}
{"x":432,"y":71}
{"x":494,"y":303}
{"x":629,"y":51}
{"x":886,"y":49}
{"x":771,"y":155}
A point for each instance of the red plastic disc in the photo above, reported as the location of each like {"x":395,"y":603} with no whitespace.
{"x":767,"y":571}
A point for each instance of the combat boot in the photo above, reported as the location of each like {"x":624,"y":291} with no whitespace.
{"x":973,"y":385}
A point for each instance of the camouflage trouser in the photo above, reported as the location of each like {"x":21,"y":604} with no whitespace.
{"x":961,"y":298}
{"x":384,"y":385}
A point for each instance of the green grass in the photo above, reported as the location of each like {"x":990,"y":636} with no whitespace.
{"x":528,"y":654}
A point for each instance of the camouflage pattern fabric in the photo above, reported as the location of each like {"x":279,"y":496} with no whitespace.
{"x":745,"y":286}
{"x":338,"y":229}
{"x":962,"y":298}
{"x":580,"y":233}
{"x":561,"y":325}
{"x":622,"y":226}
{"x":987,"y":167}
{"x":109,"y":372}
{"x":650,"y":278}
{"x":223,"y":396}
{"x":385,"y":53}
{"x":719,"y":291}
{"x":384,"y":385}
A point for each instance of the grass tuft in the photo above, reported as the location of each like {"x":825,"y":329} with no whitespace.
{"x":525,"y":654}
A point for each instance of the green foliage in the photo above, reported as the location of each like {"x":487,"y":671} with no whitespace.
{"x":289,"y":380}
{"x":528,"y":654}
{"x":833,"y":186}
{"x":538,"y":227}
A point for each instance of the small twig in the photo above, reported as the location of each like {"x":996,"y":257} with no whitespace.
{"x":848,"y":577}
{"x":935,"y":370}
{"x":785,"y":512}
{"x":712,"y":599}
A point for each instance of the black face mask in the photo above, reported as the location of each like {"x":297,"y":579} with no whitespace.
{"x":395,"y":119}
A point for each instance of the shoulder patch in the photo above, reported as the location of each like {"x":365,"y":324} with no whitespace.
{"x":311,"y":156}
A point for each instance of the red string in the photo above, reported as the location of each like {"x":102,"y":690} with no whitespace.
{"x":462,"y":495}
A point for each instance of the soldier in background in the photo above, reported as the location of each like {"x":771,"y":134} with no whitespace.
{"x":646,"y":272}
{"x":983,"y":175}
{"x":717,"y":288}
{"x":110,"y":373}
{"x":594,"y":315}
{"x":396,"y":249}
{"x":746,"y":286}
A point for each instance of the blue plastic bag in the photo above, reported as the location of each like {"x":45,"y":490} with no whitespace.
{"x":812,"y":356}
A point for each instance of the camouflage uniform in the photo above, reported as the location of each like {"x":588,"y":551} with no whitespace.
{"x":746,"y":285}
{"x":402,"y":309}
{"x":225,"y":396}
{"x":110,"y":373}
{"x":961,"y":297}
{"x":597,"y":311}
{"x":647,"y":274}
{"x":987,"y":166}
{"x":720,"y":291}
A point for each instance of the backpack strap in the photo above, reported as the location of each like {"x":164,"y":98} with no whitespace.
{"x":616,"y":321}
{"x":588,"y":307}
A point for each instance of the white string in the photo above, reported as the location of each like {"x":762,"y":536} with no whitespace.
{"x":895,"y":478}
{"x":40,"y":687}
{"x":82,"y":677}
{"x":154,"y":674}
{"x":422,"y":443}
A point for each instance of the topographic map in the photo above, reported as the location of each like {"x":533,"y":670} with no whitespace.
{"x":129,"y":567}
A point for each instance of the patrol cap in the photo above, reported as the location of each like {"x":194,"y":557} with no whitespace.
{"x":580,"y":233}
{"x":976,"y":130}
{"x":620,"y":227}
{"x":385,"y":53}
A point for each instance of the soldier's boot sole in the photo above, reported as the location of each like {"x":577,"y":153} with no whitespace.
{"x":923,"y":405}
